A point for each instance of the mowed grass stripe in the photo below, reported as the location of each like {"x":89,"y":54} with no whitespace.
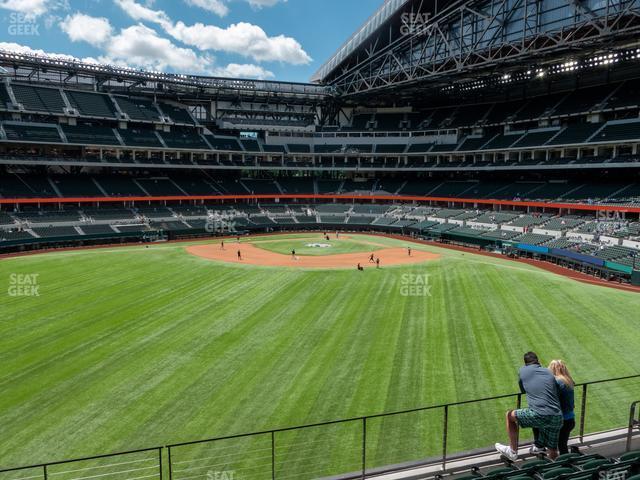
{"x":136,"y":347}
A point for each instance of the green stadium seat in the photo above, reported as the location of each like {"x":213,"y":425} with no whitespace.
{"x":557,"y":472}
{"x":535,"y":465}
{"x":138,"y":109}
{"x":499,"y":473}
{"x":91,"y":104}
{"x":593,"y":465}
{"x":566,"y":458}
{"x":472,"y":476}
{"x":634,"y":455}
{"x":39,"y":99}
{"x":587,"y":458}
{"x":577,"y":476}
{"x":176,"y":114}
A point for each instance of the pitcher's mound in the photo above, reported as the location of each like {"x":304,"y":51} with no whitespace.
{"x":252,"y":255}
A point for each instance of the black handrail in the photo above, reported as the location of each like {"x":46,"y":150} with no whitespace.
{"x":363,"y":419}
{"x":633,"y":423}
{"x":386,"y":414}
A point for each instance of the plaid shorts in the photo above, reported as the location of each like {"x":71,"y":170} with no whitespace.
{"x":548,"y":426}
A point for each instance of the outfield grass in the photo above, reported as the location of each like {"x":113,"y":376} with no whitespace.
{"x":134,"y":347}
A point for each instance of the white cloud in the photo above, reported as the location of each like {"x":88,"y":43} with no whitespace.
{"x":241,"y":38}
{"x":141,"y":46}
{"x":28,"y":7}
{"x":141,"y":13}
{"x":245,"y":70}
{"x":84,"y":28}
{"x":263,"y":3}
{"x":220,"y":8}
{"x":215,"y":6}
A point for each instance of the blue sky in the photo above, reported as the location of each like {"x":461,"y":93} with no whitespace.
{"x":273,"y":39}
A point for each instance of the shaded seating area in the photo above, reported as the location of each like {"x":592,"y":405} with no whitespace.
{"x":39,"y":99}
{"x":91,"y":104}
{"x":27,"y":132}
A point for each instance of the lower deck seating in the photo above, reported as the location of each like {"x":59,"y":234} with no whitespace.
{"x":56,"y":232}
{"x":532,"y":239}
{"x":36,"y":216}
{"x":155,"y":212}
{"x":97,"y":229}
{"x":569,"y":466}
{"x":14,"y":234}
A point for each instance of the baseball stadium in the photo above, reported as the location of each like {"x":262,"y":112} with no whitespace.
{"x":220,"y":278}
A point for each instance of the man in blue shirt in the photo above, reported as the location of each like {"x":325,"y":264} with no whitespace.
{"x":544,"y":412}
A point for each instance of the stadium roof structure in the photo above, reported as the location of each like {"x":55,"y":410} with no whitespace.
{"x":409,"y":47}
{"x":71,"y":72}
{"x":355,"y":41}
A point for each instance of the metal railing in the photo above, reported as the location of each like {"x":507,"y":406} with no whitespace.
{"x":145,"y":463}
{"x":363,"y":424}
{"x":634,"y":423}
{"x":358,"y":441}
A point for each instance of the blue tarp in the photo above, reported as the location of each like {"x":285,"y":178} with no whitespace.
{"x":533,"y":248}
{"x":577,"y":256}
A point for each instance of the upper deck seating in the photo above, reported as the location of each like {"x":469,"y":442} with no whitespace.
{"x":138,"y":108}
{"x":91,"y":104}
{"x":39,"y":99}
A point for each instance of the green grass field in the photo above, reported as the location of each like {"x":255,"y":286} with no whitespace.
{"x":301,"y":244}
{"x":134,"y":347}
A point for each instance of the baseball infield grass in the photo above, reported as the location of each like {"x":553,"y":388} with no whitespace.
{"x":310,"y":244}
{"x":133,"y":347}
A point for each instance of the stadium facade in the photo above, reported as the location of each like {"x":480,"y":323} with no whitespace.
{"x":504,"y":123}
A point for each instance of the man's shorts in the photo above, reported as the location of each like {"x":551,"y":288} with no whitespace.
{"x":548,"y":426}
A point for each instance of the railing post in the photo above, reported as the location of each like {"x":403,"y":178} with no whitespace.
{"x":518,"y":407}
{"x":445,"y":432}
{"x":632,"y":424}
{"x":44,"y":472}
{"x":583,"y":411}
{"x":160,"y":461}
{"x":273,"y":455}
{"x":169,"y":461}
{"x":364,"y":447}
